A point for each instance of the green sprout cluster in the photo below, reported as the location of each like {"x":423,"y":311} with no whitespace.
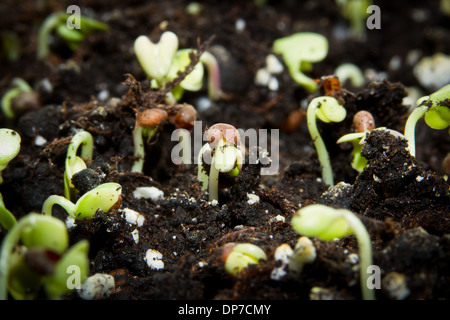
{"x":57,"y":22}
{"x":163,"y":61}
{"x":35,"y":254}
{"x":299,"y":51}
{"x":327,"y":224}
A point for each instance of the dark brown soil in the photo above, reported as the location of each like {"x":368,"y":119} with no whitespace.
{"x":407,"y":217}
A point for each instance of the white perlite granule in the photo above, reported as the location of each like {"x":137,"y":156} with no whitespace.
{"x":433,"y":72}
{"x":151,"y":193}
{"x":154,"y":259}
{"x":252,"y":198}
{"x":134,"y":217}
{"x":135,"y":235}
{"x":96,"y":287}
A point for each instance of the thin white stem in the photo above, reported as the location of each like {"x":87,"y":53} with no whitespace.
{"x":213,"y":182}
{"x":410,"y":127}
{"x":214,"y":173}
{"x":214,"y":84}
{"x":365,"y":253}
{"x":170,"y":99}
{"x":45,"y":29}
{"x":139,"y":150}
{"x":63,"y":202}
{"x":83,"y":140}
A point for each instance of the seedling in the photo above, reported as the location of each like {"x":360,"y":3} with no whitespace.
{"x":162,"y":62}
{"x":9,"y":46}
{"x":42,"y":259}
{"x":74,"y":163}
{"x":57,"y":21}
{"x":293,"y":260}
{"x":7,"y":219}
{"x":435,"y":108}
{"x":363,"y":123}
{"x":299,"y":51}
{"x":239,"y":256}
{"x":222,"y":153}
{"x":183,"y":117}
{"x":104,"y":197}
{"x":148,"y":123}
{"x":19,"y":86}
{"x":356,"y":12}
{"x":304,"y":253}
{"x":9,"y":148}
{"x":326,"y":109}
{"x":327,"y":224}
{"x":351,"y":72}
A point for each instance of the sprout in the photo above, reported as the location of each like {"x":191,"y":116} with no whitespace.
{"x":304,"y":253}
{"x":148,"y":123}
{"x":45,"y":260}
{"x":9,"y":46}
{"x":19,"y":87}
{"x":350,"y":71}
{"x":327,"y":223}
{"x":299,"y":51}
{"x":74,"y":163}
{"x":326,"y":109}
{"x":363,"y":123}
{"x":436,"y":108}
{"x":240,"y":256}
{"x":156,"y":59}
{"x":7,"y":219}
{"x":222,"y":153}
{"x":57,"y":21}
{"x":162,"y":62}
{"x":293,"y":260}
{"x":9,"y":148}
{"x":183,"y":117}
{"x":104,"y":197}
{"x":356,"y":12}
